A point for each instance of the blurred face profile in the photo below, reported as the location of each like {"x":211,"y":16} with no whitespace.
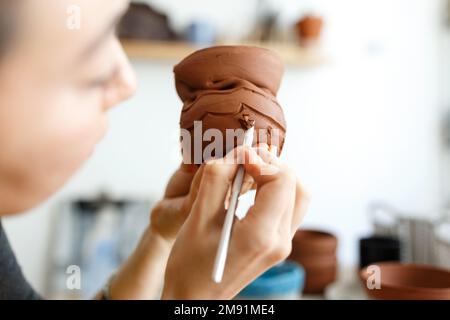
{"x":60,"y":71}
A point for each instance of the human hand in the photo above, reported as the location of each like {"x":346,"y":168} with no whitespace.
{"x":169,"y":214}
{"x":258,"y":242}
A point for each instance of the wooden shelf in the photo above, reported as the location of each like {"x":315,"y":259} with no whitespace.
{"x":293,"y":55}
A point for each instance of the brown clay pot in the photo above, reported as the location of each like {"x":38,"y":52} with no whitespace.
{"x":409,"y":282}
{"x":318,"y":277}
{"x":316,"y":266}
{"x":316,"y":251}
{"x":313,"y":242}
{"x":315,"y":283}
{"x":309,"y":28}
{"x":317,"y":261}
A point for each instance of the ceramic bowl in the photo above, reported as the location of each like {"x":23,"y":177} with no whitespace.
{"x":284,"y":281}
{"x":409,"y":282}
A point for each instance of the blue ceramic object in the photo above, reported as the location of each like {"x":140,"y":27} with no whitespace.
{"x":284,"y":280}
{"x":201,"y":33}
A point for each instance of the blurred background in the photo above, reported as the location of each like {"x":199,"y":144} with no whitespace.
{"x":366,"y":94}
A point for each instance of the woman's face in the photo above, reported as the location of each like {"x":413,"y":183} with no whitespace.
{"x":57,"y":83}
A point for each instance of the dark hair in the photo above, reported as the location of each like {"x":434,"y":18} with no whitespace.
{"x":7,"y":17}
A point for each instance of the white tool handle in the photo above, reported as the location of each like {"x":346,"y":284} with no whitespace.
{"x":222,"y":250}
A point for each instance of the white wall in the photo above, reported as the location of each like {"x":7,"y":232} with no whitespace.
{"x":362,"y":128}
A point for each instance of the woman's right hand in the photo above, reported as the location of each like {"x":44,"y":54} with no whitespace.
{"x":258,"y":242}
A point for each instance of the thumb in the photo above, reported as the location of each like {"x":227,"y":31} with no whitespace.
{"x":189,"y":199}
{"x":217,"y":177}
{"x":179,"y":206}
{"x":180,"y":181}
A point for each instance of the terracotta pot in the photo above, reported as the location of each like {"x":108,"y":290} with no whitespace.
{"x":316,"y":251}
{"x":318,"y":277}
{"x":409,"y":282}
{"x":313,"y":262}
{"x":313,"y":242}
{"x":318,"y":274}
{"x":315,"y":283}
{"x":317,"y":260}
{"x":309,"y":28}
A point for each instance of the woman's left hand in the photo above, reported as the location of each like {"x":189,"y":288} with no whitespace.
{"x":140,"y":276}
{"x":169,"y":214}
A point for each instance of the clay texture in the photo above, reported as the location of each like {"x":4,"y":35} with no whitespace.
{"x":230,"y":87}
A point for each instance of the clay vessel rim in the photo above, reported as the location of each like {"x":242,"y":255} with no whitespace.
{"x":221,"y":47}
{"x":319,"y":234}
{"x":421,"y":267}
{"x":313,"y":240}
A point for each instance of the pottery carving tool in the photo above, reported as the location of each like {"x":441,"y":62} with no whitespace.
{"x":222,"y":250}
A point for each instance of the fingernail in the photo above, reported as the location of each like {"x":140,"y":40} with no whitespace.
{"x":226,"y":203}
{"x":274,"y":150}
{"x":269,"y":170}
{"x":263,"y":145}
{"x":254,"y":157}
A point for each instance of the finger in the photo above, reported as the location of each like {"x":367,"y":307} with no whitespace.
{"x":288,"y":215}
{"x":275,"y":196}
{"x":170,"y":208}
{"x":247,"y":184}
{"x":263,"y":145}
{"x":297,"y":201}
{"x":268,"y":156}
{"x":261,"y":168}
{"x":227,"y":198}
{"x":194,"y":187}
{"x":302,"y":201}
{"x":273,"y":149}
{"x":180,"y":207}
{"x":294,"y":217}
{"x":217,"y":177}
{"x":180,"y":182}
